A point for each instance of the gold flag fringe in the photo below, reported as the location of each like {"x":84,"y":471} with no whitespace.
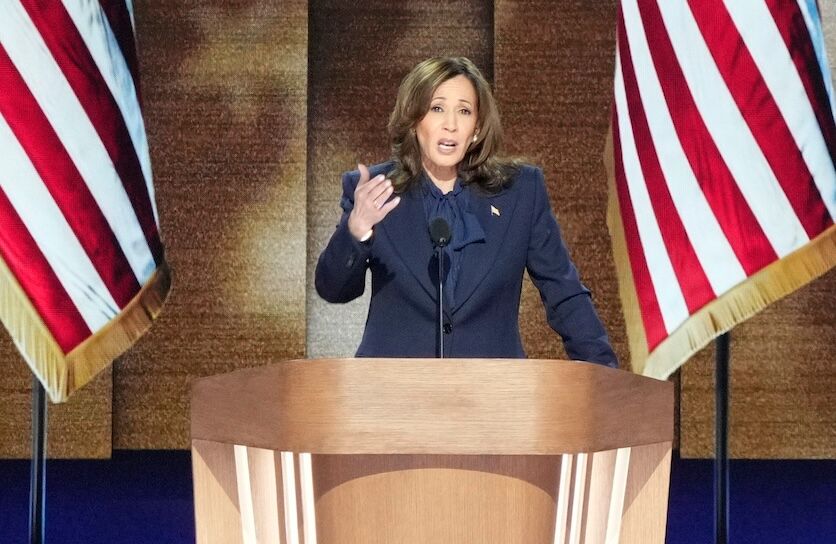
{"x":738,"y":304}
{"x":61,"y":374}
{"x":749,"y":297}
{"x":30,"y":335}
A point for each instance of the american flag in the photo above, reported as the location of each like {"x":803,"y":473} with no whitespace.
{"x":82,"y":269}
{"x":723,"y":187}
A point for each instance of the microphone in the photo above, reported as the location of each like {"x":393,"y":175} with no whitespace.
{"x":440,"y":234}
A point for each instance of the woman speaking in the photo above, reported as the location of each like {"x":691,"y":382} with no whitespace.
{"x":446,"y":163}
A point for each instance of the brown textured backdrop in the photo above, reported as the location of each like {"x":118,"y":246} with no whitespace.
{"x":254,"y":108}
{"x":553,"y":86}
{"x":225,"y":93}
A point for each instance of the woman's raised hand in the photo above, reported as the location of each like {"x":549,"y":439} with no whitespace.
{"x":370,"y":203}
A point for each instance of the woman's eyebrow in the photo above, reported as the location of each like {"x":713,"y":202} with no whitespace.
{"x":460,"y":100}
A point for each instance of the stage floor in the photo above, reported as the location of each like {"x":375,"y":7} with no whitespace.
{"x":142,"y":497}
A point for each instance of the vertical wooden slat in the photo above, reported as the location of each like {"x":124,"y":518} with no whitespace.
{"x":646,"y":495}
{"x":245,"y":495}
{"x":564,"y":499}
{"x":280,"y":500}
{"x":291,"y":508}
{"x":602,"y":466}
{"x":619,"y":488}
{"x":265,"y":494}
{"x":300,"y":505}
{"x":217,"y":518}
{"x":579,"y":498}
{"x":307,"y":494}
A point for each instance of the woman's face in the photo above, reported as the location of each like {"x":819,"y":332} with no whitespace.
{"x":446,"y":130}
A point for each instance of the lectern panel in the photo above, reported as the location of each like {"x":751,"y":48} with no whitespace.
{"x":412,"y":499}
{"x":417,"y":451}
{"x":251,"y":495}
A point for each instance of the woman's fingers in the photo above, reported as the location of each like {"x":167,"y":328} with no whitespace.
{"x":388,"y":207}
{"x":364,"y":173}
{"x":369,"y":185}
{"x":380,"y":193}
{"x":371,"y":192}
{"x":372,"y":202}
{"x":365,"y":184}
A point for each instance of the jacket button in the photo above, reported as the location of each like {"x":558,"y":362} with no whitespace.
{"x":350,"y":261}
{"x":447,"y":328}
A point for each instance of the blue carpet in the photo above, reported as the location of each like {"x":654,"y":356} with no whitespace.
{"x":135,"y":497}
{"x":770,"y":502}
{"x":146,"y":497}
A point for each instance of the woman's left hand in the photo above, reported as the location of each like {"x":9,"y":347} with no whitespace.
{"x":371,"y":203}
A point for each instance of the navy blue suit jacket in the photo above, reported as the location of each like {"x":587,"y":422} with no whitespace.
{"x":520,"y":233}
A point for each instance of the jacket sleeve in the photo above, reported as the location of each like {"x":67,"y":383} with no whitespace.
{"x":567,"y":301}
{"x":341,"y":269}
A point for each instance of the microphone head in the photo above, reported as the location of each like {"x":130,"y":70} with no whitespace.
{"x":440,"y":232}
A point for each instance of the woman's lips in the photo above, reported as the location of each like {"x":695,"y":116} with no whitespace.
{"x":447,"y":146}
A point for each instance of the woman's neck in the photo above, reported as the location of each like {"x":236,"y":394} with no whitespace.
{"x":443,"y":178}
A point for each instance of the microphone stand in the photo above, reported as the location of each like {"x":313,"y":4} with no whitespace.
{"x":440,"y":235}
{"x":440,"y":252}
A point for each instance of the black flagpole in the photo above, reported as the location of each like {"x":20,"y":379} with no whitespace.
{"x":721,"y":439}
{"x":37,"y":484}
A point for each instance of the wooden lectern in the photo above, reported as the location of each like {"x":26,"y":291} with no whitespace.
{"x":368,"y":451}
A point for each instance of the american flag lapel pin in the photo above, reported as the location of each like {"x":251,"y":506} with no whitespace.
{"x":495,"y":211}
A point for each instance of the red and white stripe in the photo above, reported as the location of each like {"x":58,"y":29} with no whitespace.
{"x":80,"y":226}
{"x":724,"y":143}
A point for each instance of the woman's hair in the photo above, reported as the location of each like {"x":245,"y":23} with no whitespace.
{"x":482,"y":163}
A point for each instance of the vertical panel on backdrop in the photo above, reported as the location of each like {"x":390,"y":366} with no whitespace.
{"x":225,"y":105}
{"x":354,"y":71}
{"x":553,"y":88}
{"x":82,"y":267}
{"x":723,"y":186}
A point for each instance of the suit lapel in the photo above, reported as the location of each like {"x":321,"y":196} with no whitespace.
{"x":406,"y":228}
{"x":495,"y":214}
